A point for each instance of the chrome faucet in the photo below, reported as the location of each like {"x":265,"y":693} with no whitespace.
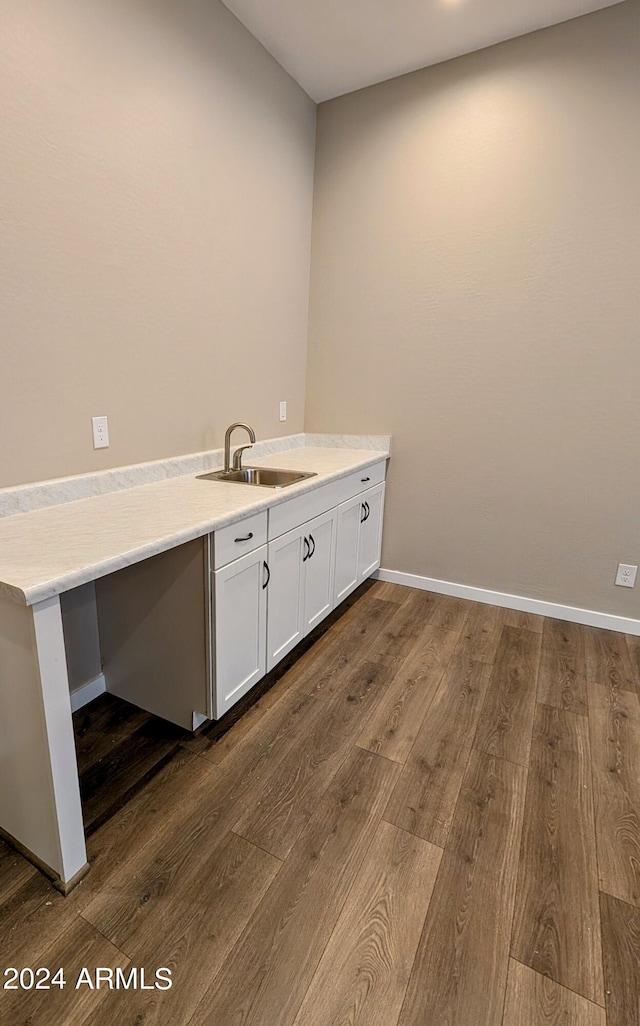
{"x":237,"y":456}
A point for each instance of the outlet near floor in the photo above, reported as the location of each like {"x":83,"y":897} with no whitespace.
{"x":626,"y":575}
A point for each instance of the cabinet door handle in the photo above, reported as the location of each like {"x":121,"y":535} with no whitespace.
{"x":368,"y":511}
{"x":265,"y":566}
{"x":306,"y":554}
{"x":312,"y":542}
{"x":363,"y":507}
{"x":245,"y":537}
{"x":363,"y":479}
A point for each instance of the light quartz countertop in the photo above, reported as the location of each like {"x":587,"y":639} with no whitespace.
{"x":53,"y":549}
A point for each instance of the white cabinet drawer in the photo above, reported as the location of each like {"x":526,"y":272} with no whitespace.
{"x":366,"y":478}
{"x":299,"y":510}
{"x":233,"y":541}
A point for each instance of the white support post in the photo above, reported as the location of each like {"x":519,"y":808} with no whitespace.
{"x":39,"y":790}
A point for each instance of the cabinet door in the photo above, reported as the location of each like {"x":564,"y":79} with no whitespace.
{"x":240,"y":628}
{"x":284,"y":615}
{"x":347,"y":532}
{"x":370,"y":541}
{"x":319,"y":568}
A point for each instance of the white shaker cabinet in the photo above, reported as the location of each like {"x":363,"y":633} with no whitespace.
{"x":239,"y":627}
{"x":370,"y":534}
{"x":300,"y":592}
{"x":359,"y":539}
{"x":319,"y":563}
{"x":285,"y":623}
{"x":347,"y":535}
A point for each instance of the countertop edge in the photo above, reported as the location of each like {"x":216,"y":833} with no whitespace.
{"x":56,"y":586}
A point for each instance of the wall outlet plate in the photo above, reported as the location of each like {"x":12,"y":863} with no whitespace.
{"x":283,"y":410}
{"x":100,"y":427}
{"x":626,"y":575}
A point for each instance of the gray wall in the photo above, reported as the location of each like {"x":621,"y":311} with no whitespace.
{"x":157,"y":174}
{"x":476,"y":259}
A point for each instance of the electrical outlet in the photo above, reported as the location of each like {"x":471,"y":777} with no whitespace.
{"x":283,"y":410}
{"x":100,"y":432}
{"x":626,"y":575}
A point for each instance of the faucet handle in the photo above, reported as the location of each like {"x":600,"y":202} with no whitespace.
{"x":237,"y":456}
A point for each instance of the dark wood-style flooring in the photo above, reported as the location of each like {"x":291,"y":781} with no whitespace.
{"x":429,"y":818}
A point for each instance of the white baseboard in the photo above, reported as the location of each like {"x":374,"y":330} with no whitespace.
{"x":589,"y":617}
{"x":88,"y":692}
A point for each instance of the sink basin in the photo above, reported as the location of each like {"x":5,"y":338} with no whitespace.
{"x":264,"y":477}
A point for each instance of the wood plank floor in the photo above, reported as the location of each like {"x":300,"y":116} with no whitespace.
{"x":428,"y":815}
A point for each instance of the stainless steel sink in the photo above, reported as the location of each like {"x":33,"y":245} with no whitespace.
{"x":264,"y":477}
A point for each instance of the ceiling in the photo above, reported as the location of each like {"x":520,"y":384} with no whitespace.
{"x":335,"y":46}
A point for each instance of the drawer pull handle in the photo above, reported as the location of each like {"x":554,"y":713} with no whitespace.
{"x":312,"y":541}
{"x":363,"y":479}
{"x":246,"y":537}
{"x":266,"y":567}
